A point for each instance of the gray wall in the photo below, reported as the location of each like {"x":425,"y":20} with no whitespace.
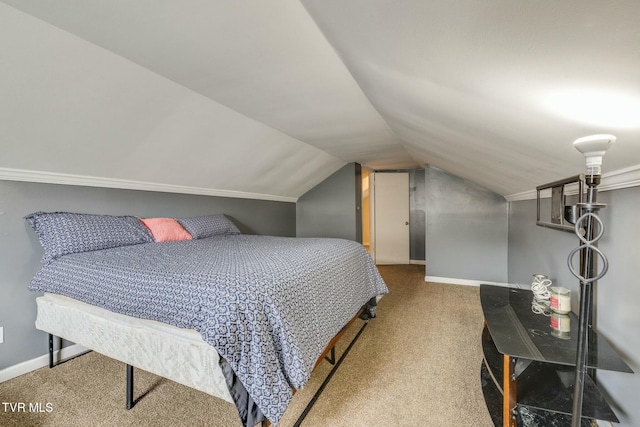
{"x":534,"y":249}
{"x":20,"y":251}
{"x":331,"y":208}
{"x":467,"y":228}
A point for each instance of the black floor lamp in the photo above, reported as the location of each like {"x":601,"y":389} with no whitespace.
{"x":589,"y":229}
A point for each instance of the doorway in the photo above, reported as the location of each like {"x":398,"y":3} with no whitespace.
{"x":391,"y":217}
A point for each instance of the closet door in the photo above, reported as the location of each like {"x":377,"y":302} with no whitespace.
{"x":391,"y":216}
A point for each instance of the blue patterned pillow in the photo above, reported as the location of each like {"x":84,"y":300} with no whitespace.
{"x":201,"y":227}
{"x":62,"y":233}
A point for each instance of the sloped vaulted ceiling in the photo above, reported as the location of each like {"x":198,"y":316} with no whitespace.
{"x":496,"y":91}
{"x":266,"y":99}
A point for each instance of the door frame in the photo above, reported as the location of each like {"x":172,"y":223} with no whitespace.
{"x":372,"y":214}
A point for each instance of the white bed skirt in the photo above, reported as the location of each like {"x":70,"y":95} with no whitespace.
{"x":178,"y":354}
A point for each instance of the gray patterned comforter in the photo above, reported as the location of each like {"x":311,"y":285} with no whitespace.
{"x":269,"y":305}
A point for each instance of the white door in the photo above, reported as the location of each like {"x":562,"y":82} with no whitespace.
{"x":391,"y":217}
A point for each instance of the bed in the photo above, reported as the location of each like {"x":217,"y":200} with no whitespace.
{"x":241,"y":317}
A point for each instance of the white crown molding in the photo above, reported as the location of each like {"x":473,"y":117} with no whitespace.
{"x":90,"y":181}
{"x":622,"y":178}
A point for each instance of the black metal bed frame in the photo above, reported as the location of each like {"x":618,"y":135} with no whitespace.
{"x":331,"y":359}
{"x":129,"y":391}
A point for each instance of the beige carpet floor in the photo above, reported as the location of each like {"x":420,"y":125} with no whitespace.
{"x":416,"y":364}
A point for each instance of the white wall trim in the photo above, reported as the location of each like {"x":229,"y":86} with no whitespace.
{"x":465,"y":282}
{"x":622,"y":178}
{"x":40,"y":362}
{"x":91,"y":181}
{"x":417,"y":262}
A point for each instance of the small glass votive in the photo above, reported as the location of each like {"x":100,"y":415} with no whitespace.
{"x":560,"y":300}
{"x":560,"y":326}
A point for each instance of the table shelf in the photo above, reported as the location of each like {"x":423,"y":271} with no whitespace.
{"x":519,"y":332}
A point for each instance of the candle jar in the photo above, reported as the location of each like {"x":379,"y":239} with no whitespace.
{"x":560,"y":326}
{"x":560,"y":300}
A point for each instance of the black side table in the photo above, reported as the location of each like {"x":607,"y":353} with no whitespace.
{"x":528,"y":373}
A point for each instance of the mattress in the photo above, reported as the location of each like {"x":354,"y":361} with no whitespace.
{"x":175,"y":353}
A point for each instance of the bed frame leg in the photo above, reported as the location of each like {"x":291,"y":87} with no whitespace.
{"x":51,"y":364}
{"x":332,"y":359}
{"x":129,"y":387}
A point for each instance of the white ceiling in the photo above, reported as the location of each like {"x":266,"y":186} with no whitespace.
{"x":249,"y":92}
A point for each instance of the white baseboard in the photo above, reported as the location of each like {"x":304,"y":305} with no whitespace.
{"x":417,"y":262}
{"x":466,"y":282}
{"x":40,"y":362}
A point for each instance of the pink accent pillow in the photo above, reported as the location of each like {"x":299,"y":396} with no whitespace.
{"x":166,"y":229}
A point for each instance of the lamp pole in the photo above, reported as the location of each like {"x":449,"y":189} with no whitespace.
{"x":589,"y":229}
